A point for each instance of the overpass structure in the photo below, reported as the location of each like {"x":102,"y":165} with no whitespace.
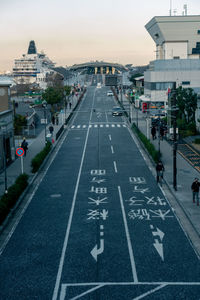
{"x":99,"y":67}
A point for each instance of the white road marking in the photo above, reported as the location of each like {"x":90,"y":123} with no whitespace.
{"x":115,"y":166}
{"x":112,"y":125}
{"x":107,"y":125}
{"x":84,"y":126}
{"x":90,"y":126}
{"x":133,"y":265}
{"x":101,"y":125}
{"x":78,"y":126}
{"x":72,"y":126}
{"x":112,"y":150}
{"x":95,"y":126}
{"x":110,"y":138}
{"x":87,"y":292}
{"x":131,"y":283}
{"x":118,"y":125}
{"x":150,"y":292}
{"x":62,"y":258}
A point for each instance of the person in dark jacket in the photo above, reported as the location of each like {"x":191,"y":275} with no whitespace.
{"x":24,"y":145}
{"x":153,"y":132}
{"x":159,"y":170}
{"x":195,"y":190}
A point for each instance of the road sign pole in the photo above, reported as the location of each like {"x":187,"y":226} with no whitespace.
{"x":22,"y":164}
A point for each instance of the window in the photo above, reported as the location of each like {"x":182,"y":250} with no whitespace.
{"x":185,"y":82}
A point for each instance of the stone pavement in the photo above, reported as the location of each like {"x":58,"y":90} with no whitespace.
{"x":185,"y":172}
{"x":34,"y":147}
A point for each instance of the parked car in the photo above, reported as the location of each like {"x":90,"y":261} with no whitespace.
{"x":109,"y":93}
{"x":117,"y":111}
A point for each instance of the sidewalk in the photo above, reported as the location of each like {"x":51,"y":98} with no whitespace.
{"x":185,"y":172}
{"x":34,"y":147}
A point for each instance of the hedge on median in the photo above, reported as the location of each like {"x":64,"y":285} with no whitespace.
{"x":148,"y":145}
{"x":8,"y":200}
{"x":39,"y":158}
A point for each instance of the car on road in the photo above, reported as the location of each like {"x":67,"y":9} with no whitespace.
{"x":109,"y":93}
{"x":117,"y":111}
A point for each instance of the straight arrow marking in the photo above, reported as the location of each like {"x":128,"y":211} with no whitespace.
{"x":159,"y":248}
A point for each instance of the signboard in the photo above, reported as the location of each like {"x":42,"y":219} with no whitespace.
{"x":171,"y":130}
{"x":43,"y":121}
{"x":20,"y":151}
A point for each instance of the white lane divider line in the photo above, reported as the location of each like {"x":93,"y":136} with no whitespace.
{"x":110,"y":138}
{"x":133,"y":265}
{"x":115,"y":166}
{"x":112,"y":150}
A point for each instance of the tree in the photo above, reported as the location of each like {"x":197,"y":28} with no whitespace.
{"x":187,"y":104}
{"x":19,"y":122}
{"x":53,"y":95}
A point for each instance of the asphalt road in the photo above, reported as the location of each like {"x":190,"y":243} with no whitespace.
{"x":98,"y":226}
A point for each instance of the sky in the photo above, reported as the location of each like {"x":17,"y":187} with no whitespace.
{"x":77,"y":31}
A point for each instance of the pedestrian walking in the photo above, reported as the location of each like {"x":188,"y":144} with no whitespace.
{"x":51,"y":128}
{"x":195,"y":190}
{"x":159,"y":170}
{"x":53,"y":120}
{"x":153,"y":132}
{"x":24,"y":145}
{"x":57,"y":120}
{"x":70,"y":105}
{"x":162,"y":132}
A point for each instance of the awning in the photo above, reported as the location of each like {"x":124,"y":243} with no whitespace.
{"x":144,"y":98}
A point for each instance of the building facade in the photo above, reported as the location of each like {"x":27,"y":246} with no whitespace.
{"x":7,"y":147}
{"x":177,"y":40}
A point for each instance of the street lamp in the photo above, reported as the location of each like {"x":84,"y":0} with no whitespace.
{"x":44,"y":105}
{"x":3,"y":126}
{"x":65,"y":104}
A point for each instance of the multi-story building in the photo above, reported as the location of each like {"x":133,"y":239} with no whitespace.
{"x":33,"y":67}
{"x":177,"y":40}
{"x":7,"y":148}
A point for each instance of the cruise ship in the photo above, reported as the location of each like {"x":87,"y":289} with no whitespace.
{"x":33,"y":67}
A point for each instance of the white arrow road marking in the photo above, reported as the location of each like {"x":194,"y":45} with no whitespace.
{"x":97,"y":251}
{"x":158,"y":233}
{"x":159,"y":248}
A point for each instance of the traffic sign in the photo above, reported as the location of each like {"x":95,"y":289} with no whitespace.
{"x":20,"y":151}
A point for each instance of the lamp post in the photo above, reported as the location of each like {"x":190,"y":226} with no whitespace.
{"x":3,"y":126}
{"x":44,"y":105}
{"x":65,"y":105}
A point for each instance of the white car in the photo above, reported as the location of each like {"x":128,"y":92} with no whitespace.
{"x":109,"y":93}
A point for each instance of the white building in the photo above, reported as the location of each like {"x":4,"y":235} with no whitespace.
{"x":32,"y":67}
{"x":177,"y":40}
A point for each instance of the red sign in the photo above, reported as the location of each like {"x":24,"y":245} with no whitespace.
{"x":20,"y":151}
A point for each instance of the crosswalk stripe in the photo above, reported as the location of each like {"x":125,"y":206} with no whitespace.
{"x":98,"y":125}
